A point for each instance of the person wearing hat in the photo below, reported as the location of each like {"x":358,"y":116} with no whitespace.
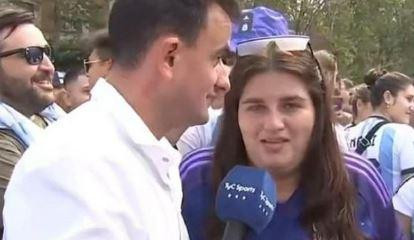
{"x":277,"y":117}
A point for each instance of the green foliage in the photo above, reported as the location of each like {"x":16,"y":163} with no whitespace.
{"x":363,"y":34}
{"x":66,"y":56}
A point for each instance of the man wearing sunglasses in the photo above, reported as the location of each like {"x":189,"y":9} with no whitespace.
{"x":25,"y":86}
{"x":99,"y":61}
{"x":112,"y":174}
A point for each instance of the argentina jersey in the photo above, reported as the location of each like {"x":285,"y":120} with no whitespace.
{"x":391,"y":148}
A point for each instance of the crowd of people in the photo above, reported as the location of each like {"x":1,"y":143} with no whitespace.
{"x":173,"y":96}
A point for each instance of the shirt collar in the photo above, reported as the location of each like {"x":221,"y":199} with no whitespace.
{"x":133,"y":128}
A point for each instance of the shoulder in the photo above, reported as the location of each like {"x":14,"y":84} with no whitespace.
{"x":195,"y":162}
{"x":367,"y":179}
{"x":404,"y":198}
{"x":400,"y":129}
{"x":407,"y":187}
{"x":10,"y":147}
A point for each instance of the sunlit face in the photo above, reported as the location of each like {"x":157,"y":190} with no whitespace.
{"x":195,"y":72}
{"x":24,"y":86}
{"x":276,"y":118}
{"x":403,"y":105}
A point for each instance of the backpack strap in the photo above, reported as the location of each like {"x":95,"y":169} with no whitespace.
{"x":364,"y":142}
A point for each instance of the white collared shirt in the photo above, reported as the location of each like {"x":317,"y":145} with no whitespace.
{"x":100,"y":174}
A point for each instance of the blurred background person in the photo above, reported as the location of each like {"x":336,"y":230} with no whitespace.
{"x":329,"y":67}
{"x":76,"y":89}
{"x":99,"y":61}
{"x":58,"y":88}
{"x":346,"y":93}
{"x":384,"y":137}
{"x":360,"y":104}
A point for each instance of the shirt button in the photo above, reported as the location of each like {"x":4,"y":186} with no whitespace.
{"x":164,"y":159}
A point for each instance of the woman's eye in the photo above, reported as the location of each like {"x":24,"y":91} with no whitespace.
{"x":290,"y":106}
{"x":255,"y":107}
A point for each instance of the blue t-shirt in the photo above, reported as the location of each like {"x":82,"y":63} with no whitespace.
{"x":375,"y":210}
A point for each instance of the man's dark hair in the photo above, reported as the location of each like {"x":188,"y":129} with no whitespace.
{"x":101,"y":43}
{"x":13,"y":17}
{"x":72,"y":75}
{"x":135,"y":24}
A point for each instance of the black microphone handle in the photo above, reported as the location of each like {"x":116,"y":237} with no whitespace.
{"x":234,"y":230}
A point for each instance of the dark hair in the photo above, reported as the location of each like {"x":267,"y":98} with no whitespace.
{"x":72,"y":75}
{"x":101,"y":43}
{"x":135,"y":24}
{"x":379,"y":81}
{"x":360,"y":92}
{"x":13,"y":17}
{"x":330,"y":197}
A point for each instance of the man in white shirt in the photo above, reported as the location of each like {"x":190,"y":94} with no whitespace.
{"x":112,"y":175}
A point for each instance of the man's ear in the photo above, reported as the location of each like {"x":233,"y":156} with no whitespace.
{"x":168,"y":52}
{"x":67,"y":102}
{"x":108,"y":65}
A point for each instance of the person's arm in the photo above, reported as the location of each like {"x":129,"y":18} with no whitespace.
{"x":404,"y":205}
{"x":10,"y":152}
{"x":405,"y":223}
{"x":406,"y":152}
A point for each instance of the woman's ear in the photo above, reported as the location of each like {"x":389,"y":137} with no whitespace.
{"x":388,"y":98}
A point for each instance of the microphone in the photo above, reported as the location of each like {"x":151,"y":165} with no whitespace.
{"x":245,"y":198}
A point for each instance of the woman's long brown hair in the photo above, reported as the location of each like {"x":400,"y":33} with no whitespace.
{"x":330,"y":203}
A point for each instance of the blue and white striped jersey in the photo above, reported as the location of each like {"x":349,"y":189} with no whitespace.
{"x":391,"y":149}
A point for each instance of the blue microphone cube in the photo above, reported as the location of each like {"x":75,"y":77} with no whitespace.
{"x":247,"y":195}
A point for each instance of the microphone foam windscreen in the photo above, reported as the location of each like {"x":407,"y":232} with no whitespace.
{"x":247,"y":195}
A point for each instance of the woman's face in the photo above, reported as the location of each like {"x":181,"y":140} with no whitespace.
{"x":276,"y":118}
{"x":402,"y":106}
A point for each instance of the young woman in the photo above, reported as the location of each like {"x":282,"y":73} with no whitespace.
{"x":277,"y":116}
{"x":385,"y":138}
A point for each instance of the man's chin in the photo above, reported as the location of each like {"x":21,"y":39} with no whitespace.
{"x":44,"y":101}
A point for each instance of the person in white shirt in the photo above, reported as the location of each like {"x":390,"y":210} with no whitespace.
{"x":112,"y":175}
{"x":403,"y":202}
{"x":385,"y":138}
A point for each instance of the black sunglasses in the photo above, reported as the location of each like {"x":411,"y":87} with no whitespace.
{"x":33,"y":55}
